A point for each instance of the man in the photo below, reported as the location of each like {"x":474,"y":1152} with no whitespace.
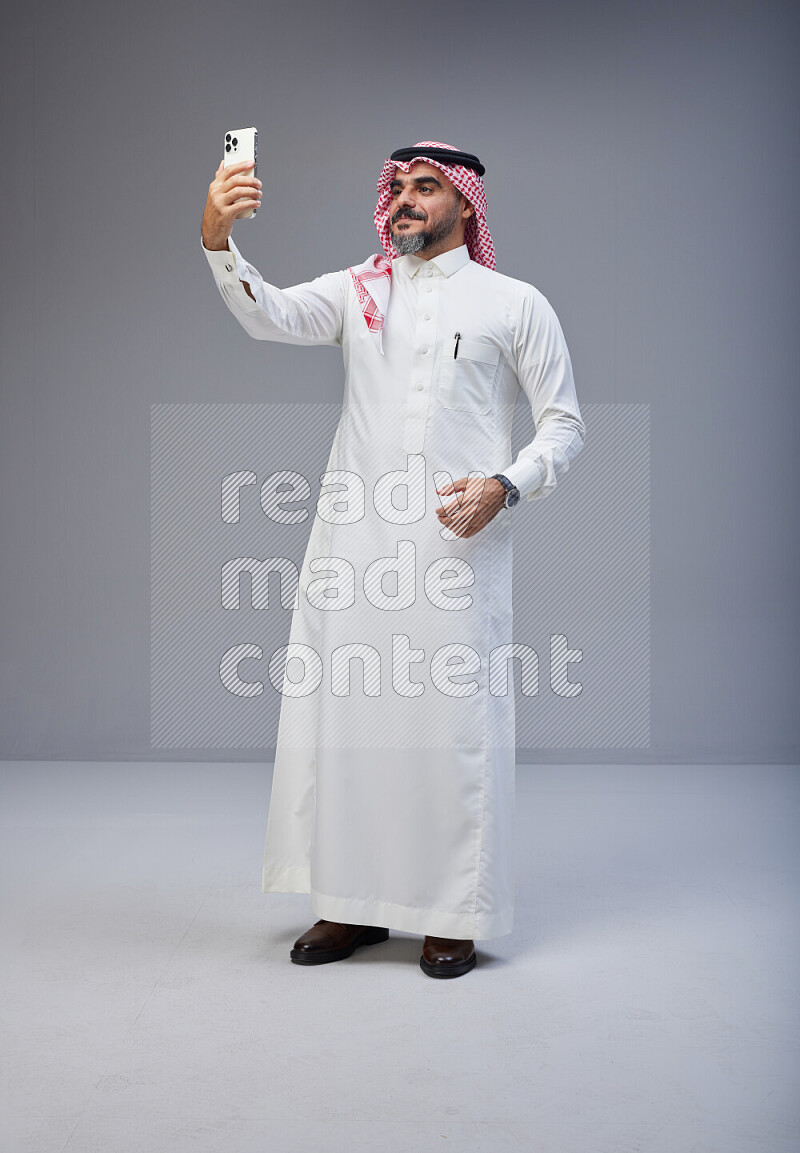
{"x":392,"y":803}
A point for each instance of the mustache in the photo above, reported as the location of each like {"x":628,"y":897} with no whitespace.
{"x":406,"y":213}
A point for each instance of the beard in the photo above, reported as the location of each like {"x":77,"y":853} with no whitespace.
{"x":406,"y":243}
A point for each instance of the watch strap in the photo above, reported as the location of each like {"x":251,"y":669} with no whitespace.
{"x":509,"y":486}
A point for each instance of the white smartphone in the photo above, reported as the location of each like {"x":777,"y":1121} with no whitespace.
{"x":242,"y":144}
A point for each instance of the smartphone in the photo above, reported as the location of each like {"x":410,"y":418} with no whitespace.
{"x":242,"y":144}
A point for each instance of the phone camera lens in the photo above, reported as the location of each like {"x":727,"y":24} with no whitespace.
{"x":228,"y":137}
{"x":227,"y":147}
{"x":235,"y":142}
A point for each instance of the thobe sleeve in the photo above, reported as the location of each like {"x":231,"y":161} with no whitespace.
{"x":309,"y":313}
{"x":544,"y":371}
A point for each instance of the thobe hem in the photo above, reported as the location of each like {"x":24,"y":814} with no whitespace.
{"x":404,"y":918}
{"x":409,"y":919}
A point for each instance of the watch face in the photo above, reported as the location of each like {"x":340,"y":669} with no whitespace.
{"x":512,"y":497}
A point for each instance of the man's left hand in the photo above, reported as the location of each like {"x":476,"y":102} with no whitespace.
{"x":482,"y":500}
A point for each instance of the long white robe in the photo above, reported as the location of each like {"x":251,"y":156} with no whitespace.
{"x":393,"y":795}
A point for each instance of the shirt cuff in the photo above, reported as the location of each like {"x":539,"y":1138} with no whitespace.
{"x":229,"y":270}
{"x":526,"y":475}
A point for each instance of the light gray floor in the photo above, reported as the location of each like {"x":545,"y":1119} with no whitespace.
{"x":646,"y":1000}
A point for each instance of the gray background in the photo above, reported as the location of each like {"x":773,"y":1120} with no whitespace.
{"x":642,"y":172}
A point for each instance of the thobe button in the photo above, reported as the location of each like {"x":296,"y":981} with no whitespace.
{"x":427,"y":316}
{"x":428,"y":288}
{"x":229,"y":267}
{"x":420,"y":387}
{"x":424,"y":351}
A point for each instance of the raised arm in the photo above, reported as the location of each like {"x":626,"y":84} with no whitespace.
{"x":308,"y":313}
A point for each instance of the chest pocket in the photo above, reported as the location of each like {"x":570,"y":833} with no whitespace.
{"x":466,"y":382}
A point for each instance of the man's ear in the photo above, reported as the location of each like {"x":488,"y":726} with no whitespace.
{"x":469,"y":207}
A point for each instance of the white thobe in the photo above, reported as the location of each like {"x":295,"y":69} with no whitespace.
{"x":393,"y":787}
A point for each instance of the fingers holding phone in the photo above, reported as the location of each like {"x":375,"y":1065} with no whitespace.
{"x":231,"y":193}
{"x":241,"y":144}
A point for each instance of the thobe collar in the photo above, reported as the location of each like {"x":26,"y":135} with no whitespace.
{"x":445,"y":263}
{"x":373,"y":278}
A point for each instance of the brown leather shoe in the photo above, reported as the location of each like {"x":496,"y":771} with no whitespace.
{"x":332,"y":941}
{"x":447,"y":956}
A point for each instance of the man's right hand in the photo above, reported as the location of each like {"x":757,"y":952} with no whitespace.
{"x":225,"y":203}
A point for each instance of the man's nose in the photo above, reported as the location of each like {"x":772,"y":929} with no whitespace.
{"x":406,"y":198}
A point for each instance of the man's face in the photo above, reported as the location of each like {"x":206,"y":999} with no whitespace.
{"x":427,"y":213}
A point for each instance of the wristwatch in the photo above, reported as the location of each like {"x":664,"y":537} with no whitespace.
{"x":512,"y":492}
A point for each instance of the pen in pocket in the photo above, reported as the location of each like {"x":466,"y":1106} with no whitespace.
{"x":455,"y":350}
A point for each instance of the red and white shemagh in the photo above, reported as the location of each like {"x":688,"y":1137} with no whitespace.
{"x":373,"y":278}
